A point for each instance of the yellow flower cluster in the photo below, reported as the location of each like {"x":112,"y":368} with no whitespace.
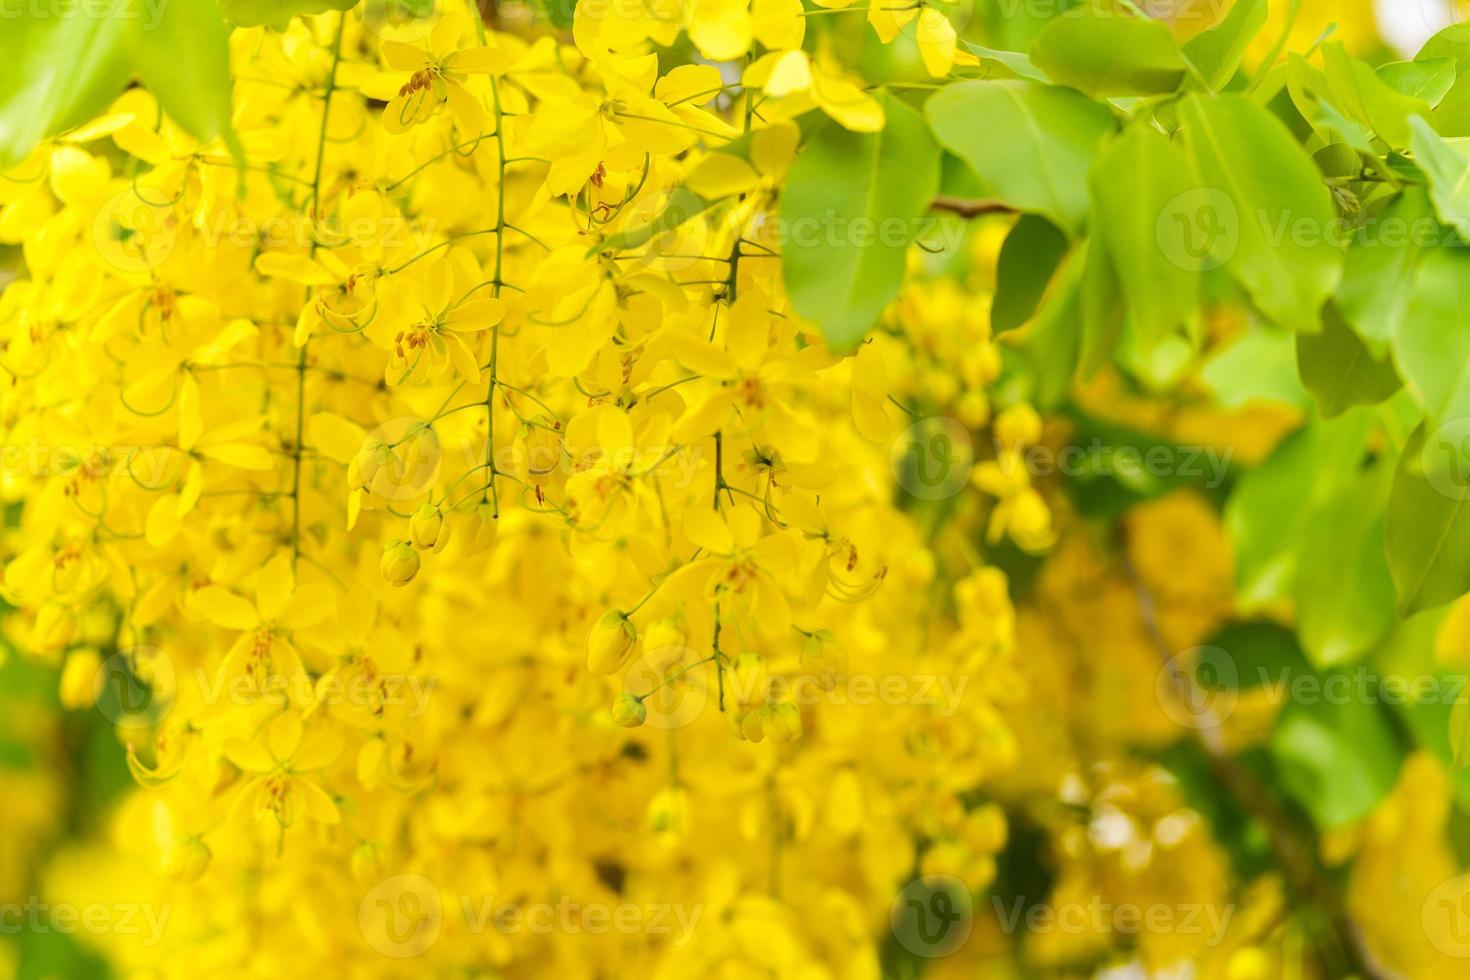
{"x":444,"y":531}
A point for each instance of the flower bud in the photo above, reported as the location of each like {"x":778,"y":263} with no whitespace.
{"x":750,"y":680}
{"x":985,"y":829}
{"x":539,"y":453}
{"x":663,"y":644}
{"x":55,"y":627}
{"x":480,"y":528}
{"x":366,"y":862}
{"x":784,"y":726}
{"x":820,"y":654}
{"x":79,"y":679}
{"x":1018,"y":426}
{"x":400,"y":562}
{"x":187,"y":860}
{"x":668,"y":811}
{"x":629,"y":711}
{"x":751,"y":722}
{"x":428,"y":529}
{"x":1031,"y":522}
{"x":373,"y":456}
{"x":610,"y":641}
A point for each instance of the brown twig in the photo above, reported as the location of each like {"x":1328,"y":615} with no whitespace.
{"x":1294,"y":854}
{"x":970,"y":208}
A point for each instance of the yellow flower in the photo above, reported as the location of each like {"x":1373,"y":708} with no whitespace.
{"x":277,"y":767}
{"x":439,"y":72}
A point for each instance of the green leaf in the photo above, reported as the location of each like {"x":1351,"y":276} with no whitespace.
{"x":56,"y":73}
{"x":1013,"y":61}
{"x":1460,"y":735}
{"x":1217,"y":52}
{"x":1381,"y":266}
{"x":1033,"y":143}
{"x":1452,"y":116}
{"x":1105,"y":54}
{"x":1028,"y":258}
{"x":1268,"y":508}
{"x":1053,"y":341}
{"x":1258,"y":366}
{"x":1339,"y":370}
{"x":1344,"y":592}
{"x":1370,"y":100}
{"x":1337,"y":756}
{"x":1431,"y":345}
{"x":1428,"y":528}
{"x":1448,"y":170}
{"x":59,"y":72}
{"x":1100,"y":305}
{"x":1264,"y":187}
{"x":1134,"y":183}
{"x":1429,"y":80}
{"x":1255,"y":653}
{"x":278,"y":13}
{"x":184,"y":61}
{"x":852,"y":205}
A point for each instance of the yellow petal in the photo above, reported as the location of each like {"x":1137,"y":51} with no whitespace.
{"x":721,"y":175}
{"x":297,"y":268}
{"x":225,"y":608}
{"x":936,"y":36}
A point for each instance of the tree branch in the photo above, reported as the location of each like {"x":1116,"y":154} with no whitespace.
{"x":970,"y":208}
{"x":1295,"y":855}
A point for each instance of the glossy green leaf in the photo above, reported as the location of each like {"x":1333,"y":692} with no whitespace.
{"x":1028,"y":258}
{"x":1339,"y":369}
{"x":1431,"y":344}
{"x":1108,"y":54}
{"x":59,"y":72}
{"x":1134,"y":183}
{"x":1344,"y":592}
{"x":1338,"y":757}
{"x":1428,"y":528}
{"x":1250,"y":654}
{"x":1052,"y":342}
{"x":1015,"y":62}
{"x":1217,"y":52}
{"x":185,"y":62}
{"x":1033,"y":143}
{"x":1257,"y":366}
{"x":1274,"y":212}
{"x":1448,"y":169}
{"x":1100,"y":306}
{"x":852,"y":205}
{"x":1382,"y":263}
{"x":1429,"y":80}
{"x":56,"y":73}
{"x":1269,"y":505}
{"x":1370,"y":100}
{"x":1452,"y":115}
